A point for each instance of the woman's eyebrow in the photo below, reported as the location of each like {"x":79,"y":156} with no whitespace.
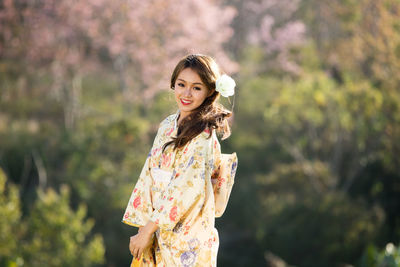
{"x":193,"y":83}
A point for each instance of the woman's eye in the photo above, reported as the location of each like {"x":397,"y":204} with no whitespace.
{"x":181,"y":85}
{"x":197,"y":88}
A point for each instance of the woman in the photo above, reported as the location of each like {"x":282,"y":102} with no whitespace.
{"x":186,"y":181}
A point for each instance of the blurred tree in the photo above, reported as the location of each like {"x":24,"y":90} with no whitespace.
{"x":54,"y":235}
{"x":359,"y":41}
{"x":388,"y":257}
{"x":10,"y":227}
{"x":364,"y":41}
{"x":296,"y":221}
{"x":271,"y":25}
{"x":59,"y":235}
{"x":60,"y":41}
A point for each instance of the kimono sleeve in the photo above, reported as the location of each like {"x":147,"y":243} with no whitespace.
{"x":187,"y":188}
{"x":223,"y":177}
{"x":139,"y":207}
{"x":224,"y":181}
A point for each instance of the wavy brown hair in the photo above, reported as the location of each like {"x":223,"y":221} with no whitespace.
{"x":210,"y":114}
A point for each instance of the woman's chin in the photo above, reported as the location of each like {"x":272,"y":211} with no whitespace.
{"x":185,"y":109}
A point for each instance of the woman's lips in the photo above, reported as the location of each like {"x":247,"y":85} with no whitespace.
{"x":185,"y":102}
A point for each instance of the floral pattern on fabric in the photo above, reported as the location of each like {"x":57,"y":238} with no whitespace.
{"x":175,"y":191}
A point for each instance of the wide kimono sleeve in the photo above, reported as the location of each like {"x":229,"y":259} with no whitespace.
{"x":223,"y":177}
{"x":187,"y":187}
{"x":224,"y":181}
{"x":140,"y":206}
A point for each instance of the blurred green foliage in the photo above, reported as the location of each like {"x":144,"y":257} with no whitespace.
{"x":51,"y":235}
{"x":387,"y":257}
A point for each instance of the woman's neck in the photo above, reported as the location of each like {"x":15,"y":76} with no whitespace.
{"x":181,"y":116}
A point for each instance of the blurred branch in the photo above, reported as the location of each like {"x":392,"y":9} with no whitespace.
{"x":26,"y":170}
{"x":42,"y":173}
{"x":309,"y":171}
{"x":274,"y":261}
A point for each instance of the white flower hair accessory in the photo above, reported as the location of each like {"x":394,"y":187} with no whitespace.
{"x":225,"y":85}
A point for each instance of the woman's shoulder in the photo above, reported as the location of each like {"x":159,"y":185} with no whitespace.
{"x":207,"y":136}
{"x":170,"y":119}
{"x":210,"y":133}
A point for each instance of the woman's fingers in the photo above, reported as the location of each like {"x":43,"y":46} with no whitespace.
{"x":131,"y":245}
{"x":135,"y":250}
{"x":140,"y":251}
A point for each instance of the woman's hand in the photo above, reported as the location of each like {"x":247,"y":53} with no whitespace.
{"x":142,"y":239}
{"x":138,"y":243}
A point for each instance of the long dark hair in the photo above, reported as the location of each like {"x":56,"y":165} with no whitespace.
{"x":209,"y":114}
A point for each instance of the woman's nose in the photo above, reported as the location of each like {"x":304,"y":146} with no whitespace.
{"x":187,"y":91}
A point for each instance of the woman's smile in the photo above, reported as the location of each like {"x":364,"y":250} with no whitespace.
{"x":185,"y":102}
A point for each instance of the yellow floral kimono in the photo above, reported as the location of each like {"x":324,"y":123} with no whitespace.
{"x":182,"y":191}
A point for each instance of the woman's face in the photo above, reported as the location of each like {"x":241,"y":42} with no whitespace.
{"x":190,"y":91}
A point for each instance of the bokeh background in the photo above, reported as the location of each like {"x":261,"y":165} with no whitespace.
{"x":84,"y":85}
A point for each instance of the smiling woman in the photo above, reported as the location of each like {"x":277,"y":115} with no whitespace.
{"x":186,"y":181}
